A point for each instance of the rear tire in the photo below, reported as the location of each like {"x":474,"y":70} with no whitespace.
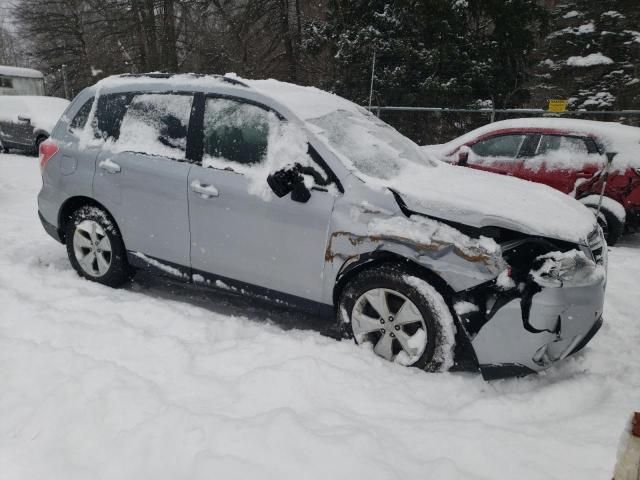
{"x":95,"y":247}
{"x":409,"y":304}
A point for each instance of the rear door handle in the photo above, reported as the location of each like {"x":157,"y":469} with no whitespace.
{"x":109,"y":165}
{"x":206,"y":191}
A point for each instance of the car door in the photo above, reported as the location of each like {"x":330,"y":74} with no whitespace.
{"x":142,"y":171}
{"x":239,"y":229}
{"x":15,"y":129}
{"x":497,"y":154}
{"x":562,"y":162}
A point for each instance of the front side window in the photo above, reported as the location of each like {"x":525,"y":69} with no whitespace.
{"x":235,"y":134}
{"x":500,"y":146}
{"x":156,"y":124}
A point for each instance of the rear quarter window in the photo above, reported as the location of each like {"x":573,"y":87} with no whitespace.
{"x":80,"y":119}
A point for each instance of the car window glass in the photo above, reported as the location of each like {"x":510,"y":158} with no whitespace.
{"x":253,"y":141}
{"x":234,"y":133}
{"x":500,"y":146}
{"x":81,"y":117}
{"x":110,"y":112}
{"x":156,"y":124}
{"x":553,"y":143}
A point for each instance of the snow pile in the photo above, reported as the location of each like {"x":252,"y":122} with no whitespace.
{"x":156,"y":381}
{"x":589,"y":61}
{"x":571,"y":14}
{"x":44,"y":112}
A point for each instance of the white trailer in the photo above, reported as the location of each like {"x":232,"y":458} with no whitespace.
{"x":21,"y":81}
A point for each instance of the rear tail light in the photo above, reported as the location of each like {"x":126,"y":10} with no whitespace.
{"x":48,"y":149}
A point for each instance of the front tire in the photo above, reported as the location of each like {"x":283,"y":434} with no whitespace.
{"x":402,"y":316}
{"x":95,"y":247}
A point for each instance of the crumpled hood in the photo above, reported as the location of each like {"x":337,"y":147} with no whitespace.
{"x":482,"y":199}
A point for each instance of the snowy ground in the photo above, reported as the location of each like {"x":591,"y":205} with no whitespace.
{"x":165,"y":382}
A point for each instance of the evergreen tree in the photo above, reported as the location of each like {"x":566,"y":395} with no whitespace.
{"x":592,"y":56}
{"x":431,"y":52}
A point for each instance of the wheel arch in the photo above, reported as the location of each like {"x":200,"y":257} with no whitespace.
{"x":464,"y":355}
{"x":70,"y":205}
{"x":374,"y":259}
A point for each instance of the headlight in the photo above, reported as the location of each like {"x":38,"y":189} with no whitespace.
{"x":572,"y":268}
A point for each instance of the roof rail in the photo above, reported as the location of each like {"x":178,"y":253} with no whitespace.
{"x":231,"y":80}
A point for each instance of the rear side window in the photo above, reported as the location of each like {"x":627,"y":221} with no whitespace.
{"x":111,"y":110}
{"x":555,"y":143}
{"x":501,"y":146}
{"x":80,"y":119}
{"x":156,"y":124}
{"x":234,"y":132}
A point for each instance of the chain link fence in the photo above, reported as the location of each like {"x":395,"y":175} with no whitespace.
{"x":430,"y":125}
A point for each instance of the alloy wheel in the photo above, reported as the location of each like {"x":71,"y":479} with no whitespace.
{"x":391,"y":323}
{"x":92,"y":248}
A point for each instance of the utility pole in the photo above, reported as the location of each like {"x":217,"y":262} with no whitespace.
{"x":64,"y":81}
{"x":373,"y":71}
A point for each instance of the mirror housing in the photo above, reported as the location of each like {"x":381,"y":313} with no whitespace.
{"x":463,"y":155}
{"x":289,"y":180}
{"x":24,"y":118}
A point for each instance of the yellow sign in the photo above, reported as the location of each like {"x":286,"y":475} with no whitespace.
{"x":558,"y":106}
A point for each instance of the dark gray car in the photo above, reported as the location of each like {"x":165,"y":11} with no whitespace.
{"x":26,"y":121}
{"x":300,"y":197}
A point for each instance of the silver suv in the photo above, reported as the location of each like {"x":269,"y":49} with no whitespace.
{"x":302,"y":198}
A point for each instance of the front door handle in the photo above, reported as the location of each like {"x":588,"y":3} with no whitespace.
{"x":206,"y":191}
{"x":109,"y":165}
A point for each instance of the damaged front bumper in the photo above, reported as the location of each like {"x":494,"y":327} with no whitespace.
{"x":552,"y":315}
{"x":563,"y":319}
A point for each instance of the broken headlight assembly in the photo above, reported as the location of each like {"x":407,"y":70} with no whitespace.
{"x":559,"y":269}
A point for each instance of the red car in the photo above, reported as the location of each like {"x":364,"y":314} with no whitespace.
{"x":566,"y":154}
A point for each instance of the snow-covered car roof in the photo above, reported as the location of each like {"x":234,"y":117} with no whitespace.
{"x":615,"y":137}
{"x":20,"y":72}
{"x":44,"y":112}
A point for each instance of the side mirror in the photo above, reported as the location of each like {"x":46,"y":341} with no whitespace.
{"x":463,"y":155}
{"x":25,"y":119}
{"x":289,"y":180}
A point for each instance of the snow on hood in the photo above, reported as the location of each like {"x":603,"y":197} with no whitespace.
{"x":613,"y":136}
{"x":482,"y":199}
{"x":44,"y":112}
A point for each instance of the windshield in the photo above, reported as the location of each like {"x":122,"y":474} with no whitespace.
{"x":368,"y":144}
